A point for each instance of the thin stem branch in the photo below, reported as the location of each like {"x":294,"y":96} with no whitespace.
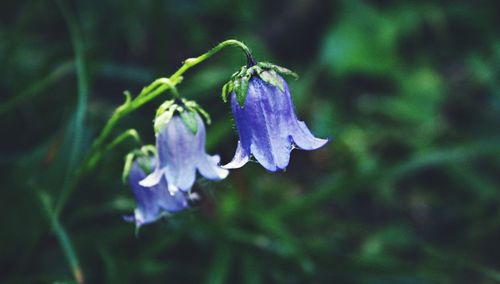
{"x":147,"y":94}
{"x":191,"y":62}
{"x":130,"y":133}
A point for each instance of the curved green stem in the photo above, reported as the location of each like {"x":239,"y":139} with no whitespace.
{"x":147,"y":94}
{"x":158,"y":87}
{"x":132,"y":133}
{"x":190,"y":62}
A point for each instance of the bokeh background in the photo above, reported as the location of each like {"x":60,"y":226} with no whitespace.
{"x":407,"y":191}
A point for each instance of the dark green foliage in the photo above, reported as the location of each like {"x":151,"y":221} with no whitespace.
{"x":408,"y":191}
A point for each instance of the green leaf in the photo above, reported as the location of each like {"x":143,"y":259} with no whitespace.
{"x":189,"y":119}
{"x":242,"y":91}
{"x":271,"y":77}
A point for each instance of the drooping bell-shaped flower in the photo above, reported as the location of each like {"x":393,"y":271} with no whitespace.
{"x":265,"y":118}
{"x":152,"y":202}
{"x":180,"y":144}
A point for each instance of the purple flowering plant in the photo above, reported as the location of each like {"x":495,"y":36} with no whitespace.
{"x":162,"y":176}
{"x":267,"y":125}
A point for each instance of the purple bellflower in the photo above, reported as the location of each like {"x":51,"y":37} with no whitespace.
{"x":152,"y":202}
{"x":265,"y":118}
{"x":181,"y":152}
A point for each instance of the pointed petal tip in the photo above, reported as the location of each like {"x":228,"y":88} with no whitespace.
{"x":209,"y":167}
{"x":235,"y":164}
{"x":223,"y":173}
{"x":241,"y":157}
{"x":303,"y":138}
{"x":323,"y":142}
{"x":311,"y":143}
{"x":152,"y":179}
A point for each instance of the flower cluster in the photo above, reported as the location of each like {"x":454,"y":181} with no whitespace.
{"x":267,"y":126}
{"x":162,"y":184}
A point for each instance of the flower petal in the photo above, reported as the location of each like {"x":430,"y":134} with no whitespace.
{"x":262,"y":120}
{"x":177,"y":150}
{"x":152,"y":179}
{"x":240,"y":158}
{"x":147,"y":210}
{"x":300,"y":134}
{"x":305,"y":140}
{"x":171,"y":202}
{"x":208,"y":166}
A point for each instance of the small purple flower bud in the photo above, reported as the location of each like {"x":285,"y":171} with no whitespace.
{"x":180,"y":153}
{"x":152,"y":202}
{"x":268,"y":126}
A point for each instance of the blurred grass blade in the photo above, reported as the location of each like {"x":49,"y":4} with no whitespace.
{"x":76,"y":129}
{"x":458,"y":154}
{"x":323,"y":192}
{"x":251,"y":270}
{"x":36,"y":88}
{"x":465,"y":262}
{"x":219,"y":269}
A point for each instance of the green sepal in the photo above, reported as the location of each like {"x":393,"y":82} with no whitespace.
{"x":136,"y":155}
{"x":164,"y":106}
{"x":281,"y":70}
{"x":164,"y":117}
{"x":286,"y":72}
{"x":204,"y":114}
{"x":189,"y":119}
{"x":194,"y":107}
{"x":236,"y":86}
{"x":271,"y":77}
{"x":268,"y":72}
{"x":185,"y":108}
{"x":226,"y":91}
{"x":241,"y":73}
{"x":242,"y":91}
{"x":256,"y":69}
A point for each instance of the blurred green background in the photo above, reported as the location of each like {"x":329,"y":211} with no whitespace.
{"x":407,"y":191}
